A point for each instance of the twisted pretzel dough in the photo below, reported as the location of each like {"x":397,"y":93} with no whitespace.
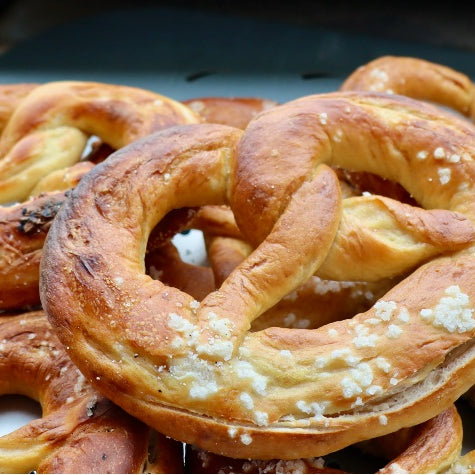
{"x":192,"y":368}
{"x":417,"y":78}
{"x":10,"y":97}
{"x":49,"y":128}
{"x":45,"y":134}
{"x":430,"y":447}
{"x":80,"y":431}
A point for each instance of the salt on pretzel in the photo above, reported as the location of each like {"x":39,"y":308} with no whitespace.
{"x":227,"y":248}
{"x":430,"y":447}
{"x":80,"y":431}
{"x":465,"y":464}
{"x":416,"y":78}
{"x":193,"y":369}
{"x":49,"y":128}
{"x":311,"y":305}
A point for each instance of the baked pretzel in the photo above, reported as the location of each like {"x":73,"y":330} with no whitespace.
{"x":233,"y":111}
{"x":430,"y":447}
{"x":163,"y":260}
{"x":49,"y":128}
{"x":47,"y":132}
{"x":316,"y":302}
{"x":416,"y":78}
{"x":198,"y":373}
{"x":465,"y":464}
{"x":80,"y":431}
{"x":10,"y":97}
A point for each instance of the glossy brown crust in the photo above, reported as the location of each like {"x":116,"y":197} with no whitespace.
{"x":166,"y":265}
{"x":417,"y":78}
{"x":80,"y":431}
{"x":23,"y":228}
{"x":52,"y":112}
{"x":10,"y":97}
{"x":286,"y":393}
{"x":430,"y":447}
{"x":43,"y":139}
{"x":232,"y":111}
{"x":62,"y":180}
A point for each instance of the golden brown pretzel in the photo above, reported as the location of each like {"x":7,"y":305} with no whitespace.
{"x":233,"y":111}
{"x":10,"y":97}
{"x":65,"y":113}
{"x":49,"y":128}
{"x":430,"y":447}
{"x":315,"y":303}
{"x":417,"y":78}
{"x":198,"y":370}
{"x":80,"y":431}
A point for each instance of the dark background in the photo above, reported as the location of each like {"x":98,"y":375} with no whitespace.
{"x":436,"y":23}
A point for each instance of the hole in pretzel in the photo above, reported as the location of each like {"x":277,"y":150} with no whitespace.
{"x":16,"y":411}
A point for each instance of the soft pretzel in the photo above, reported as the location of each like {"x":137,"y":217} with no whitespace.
{"x":430,"y":447}
{"x":199,"y":374}
{"x":465,"y":464}
{"x":23,"y":228}
{"x":417,"y":78}
{"x":80,"y":431}
{"x":316,"y":302}
{"x":40,"y":134}
{"x":63,"y":179}
{"x":233,"y":111}
{"x":10,"y":97}
{"x":44,"y":139}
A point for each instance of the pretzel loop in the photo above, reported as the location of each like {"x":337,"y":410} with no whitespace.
{"x":192,"y":368}
{"x":54,"y":117}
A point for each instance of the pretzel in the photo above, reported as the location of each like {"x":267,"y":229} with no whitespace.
{"x":227,"y":248}
{"x":233,"y":111}
{"x":39,"y":136}
{"x":465,"y":464}
{"x":44,"y":139}
{"x":163,"y":259}
{"x":200,"y":375}
{"x":416,"y":78}
{"x":430,"y":447}
{"x":10,"y":97}
{"x":80,"y":431}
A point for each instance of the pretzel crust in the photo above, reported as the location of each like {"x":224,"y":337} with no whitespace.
{"x":41,"y":131}
{"x":430,"y":447}
{"x":416,"y":78}
{"x":46,"y":130}
{"x":80,"y":431}
{"x":199,"y":374}
{"x":233,"y":111}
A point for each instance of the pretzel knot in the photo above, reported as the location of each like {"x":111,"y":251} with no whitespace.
{"x":193,"y":369}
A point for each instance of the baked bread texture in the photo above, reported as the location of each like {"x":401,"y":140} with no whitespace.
{"x":80,"y":431}
{"x":193,"y":369}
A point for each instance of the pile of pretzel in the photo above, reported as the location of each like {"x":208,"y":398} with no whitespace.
{"x":336,"y":308}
